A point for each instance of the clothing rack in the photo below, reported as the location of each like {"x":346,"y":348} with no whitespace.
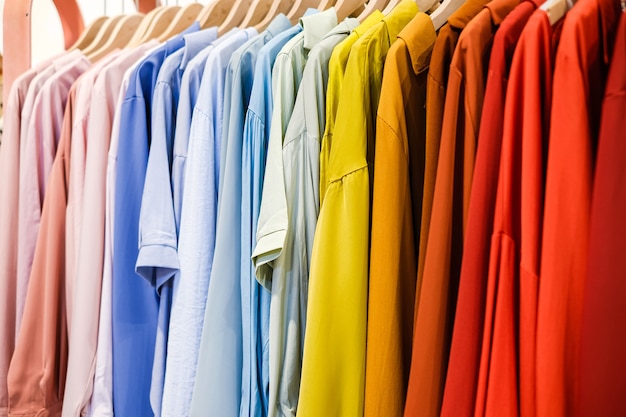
{"x":17,"y":32}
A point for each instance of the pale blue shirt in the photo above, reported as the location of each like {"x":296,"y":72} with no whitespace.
{"x":189,"y":299}
{"x":197,"y":228}
{"x":255,"y":304}
{"x":158,"y":260}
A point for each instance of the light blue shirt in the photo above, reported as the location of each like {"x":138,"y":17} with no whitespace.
{"x":218,"y":389}
{"x":135,"y":302}
{"x":197,"y":229}
{"x":158,"y":234}
{"x":189,"y":296}
{"x":254,"y":303}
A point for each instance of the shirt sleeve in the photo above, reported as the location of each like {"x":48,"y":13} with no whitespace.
{"x":158,"y":259}
{"x":273,"y":220}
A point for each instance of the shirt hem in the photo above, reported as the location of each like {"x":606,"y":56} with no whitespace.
{"x":51,"y":411}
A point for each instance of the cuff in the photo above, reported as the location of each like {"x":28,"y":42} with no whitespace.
{"x":157,"y":264}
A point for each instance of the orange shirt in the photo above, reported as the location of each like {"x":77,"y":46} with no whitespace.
{"x":603,"y":340}
{"x":508,"y":357}
{"x":462,"y":378}
{"x":579,"y":78}
{"x":36,"y":377}
{"x":399,"y":160}
{"x":463,"y":108}
{"x":443,"y":50}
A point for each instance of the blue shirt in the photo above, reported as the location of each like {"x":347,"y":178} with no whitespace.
{"x":219,"y":375}
{"x":158,"y":260}
{"x":254,"y":301}
{"x":197,"y":230}
{"x":189,"y":298}
{"x":135,"y":302}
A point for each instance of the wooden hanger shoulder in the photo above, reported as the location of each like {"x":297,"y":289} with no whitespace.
{"x":299,"y":7}
{"x":214,"y":13}
{"x":119,"y":38}
{"x":103,"y":34}
{"x":258,"y":10}
{"x":443,"y":12}
{"x":89,"y":34}
{"x":326,"y":4}
{"x":235,"y":17}
{"x":278,"y":6}
{"x":183,"y":19}
{"x":347,"y":8}
{"x":555,"y":9}
{"x":392,"y":5}
{"x":158,"y":25}
{"x":370,"y":7}
{"x":144,"y":25}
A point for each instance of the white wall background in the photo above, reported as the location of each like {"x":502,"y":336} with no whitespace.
{"x":47,"y":36}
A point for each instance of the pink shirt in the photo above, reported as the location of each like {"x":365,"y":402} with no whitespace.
{"x":84,"y":87}
{"x":83,"y":339}
{"x":9,"y":190}
{"x":27,"y":110}
{"x":36,"y":377}
{"x":38,"y":152}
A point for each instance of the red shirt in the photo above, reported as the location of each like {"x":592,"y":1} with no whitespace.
{"x":579,"y":79}
{"x":603,"y":340}
{"x":508,"y":355}
{"x":461,"y":382}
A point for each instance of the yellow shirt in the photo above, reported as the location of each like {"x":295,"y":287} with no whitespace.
{"x":336,"y":70}
{"x":333,"y":370}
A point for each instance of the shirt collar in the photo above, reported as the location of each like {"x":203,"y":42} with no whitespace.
{"x":195,"y":42}
{"x":279,"y":24}
{"x":178,"y":41}
{"x":419,"y":36}
{"x":465,"y":13}
{"x":317,"y":25}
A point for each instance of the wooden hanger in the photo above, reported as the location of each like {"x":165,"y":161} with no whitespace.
{"x":145,"y":23}
{"x":299,"y":7}
{"x":370,"y":7}
{"x":157,"y":26}
{"x":183,"y":19}
{"x":103,"y":34}
{"x":424,"y":6}
{"x":258,"y":10}
{"x":120,"y":37}
{"x":555,"y":9}
{"x":326,"y":4}
{"x":392,"y":5}
{"x":441,"y":15}
{"x":235,"y":17}
{"x":347,"y":8}
{"x":214,"y":13}
{"x":89,"y":34}
{"x":278,"y":6}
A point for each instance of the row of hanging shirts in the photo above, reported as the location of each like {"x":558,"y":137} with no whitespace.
{"x":231,"y":211}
